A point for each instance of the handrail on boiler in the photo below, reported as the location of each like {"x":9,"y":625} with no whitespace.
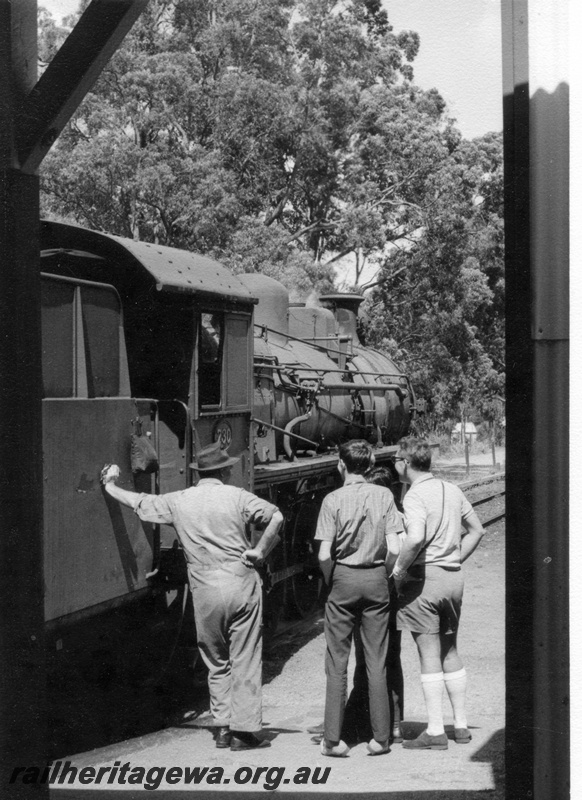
{"x":282,"y":430}
{"x":367,"y":387}
{"x":326,"y":370}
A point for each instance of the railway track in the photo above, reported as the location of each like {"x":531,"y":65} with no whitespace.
{"x":495,"y":484}
{"x":492,"y":520}
{"x":474,"y":485}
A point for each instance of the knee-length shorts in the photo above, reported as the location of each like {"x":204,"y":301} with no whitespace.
{"x":431,"y":603}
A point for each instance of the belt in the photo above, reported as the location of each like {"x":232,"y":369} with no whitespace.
{"x":360,"y":566}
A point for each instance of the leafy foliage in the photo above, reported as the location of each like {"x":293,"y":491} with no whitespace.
{"x":439,"y":305}
{"x":215,"y":112}
{"x":281,"y":136}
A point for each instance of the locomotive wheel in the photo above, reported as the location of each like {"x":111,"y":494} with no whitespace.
{"x":307,"y":584}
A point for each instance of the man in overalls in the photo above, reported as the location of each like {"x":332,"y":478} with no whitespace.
{"x":211,"y":520}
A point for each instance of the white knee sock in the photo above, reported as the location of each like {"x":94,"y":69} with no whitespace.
{"x":432,"y":688}
{"x":456,"y":683}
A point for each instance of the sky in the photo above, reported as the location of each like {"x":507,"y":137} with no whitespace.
{"x":460,"y":54}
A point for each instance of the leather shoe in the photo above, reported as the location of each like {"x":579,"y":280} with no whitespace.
{"x":243,"y":740}
{"x":427,"y":742}
{"x":223,"y":737}
{"x":462,"y":736}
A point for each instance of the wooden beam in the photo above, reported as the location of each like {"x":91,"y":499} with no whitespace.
{"x":71,"y":75}
{"x":18,"y":50}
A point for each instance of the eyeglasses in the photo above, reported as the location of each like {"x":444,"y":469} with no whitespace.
{"x":399,"y":458}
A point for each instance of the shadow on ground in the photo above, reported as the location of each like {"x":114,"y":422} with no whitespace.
{"x":288,"y":640}
{"x":104,"y":691}
{"x":492,"y":751}
{"x":121,"y":676}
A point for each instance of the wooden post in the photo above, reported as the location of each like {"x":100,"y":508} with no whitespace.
{"x":33,"y":114}
{"x":22,"y":701}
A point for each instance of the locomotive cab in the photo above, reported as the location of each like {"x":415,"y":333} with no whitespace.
{"x":138,"y":341}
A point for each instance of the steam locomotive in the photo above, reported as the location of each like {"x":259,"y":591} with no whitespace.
{"x":150,"y":345}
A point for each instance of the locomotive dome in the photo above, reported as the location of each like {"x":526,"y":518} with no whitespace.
{"x":273,"y":307}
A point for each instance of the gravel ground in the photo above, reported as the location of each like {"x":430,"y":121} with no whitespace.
{"x":293,"y":700}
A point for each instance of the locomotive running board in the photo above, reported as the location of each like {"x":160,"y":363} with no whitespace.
{"x":283,"y":471}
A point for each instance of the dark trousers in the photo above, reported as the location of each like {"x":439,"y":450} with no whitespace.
{"x":357,"y":595}
{"x":356,"y":727}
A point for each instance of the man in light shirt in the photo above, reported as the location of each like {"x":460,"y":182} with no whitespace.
{"x":442,"y":531}
{"x":358,"y":528}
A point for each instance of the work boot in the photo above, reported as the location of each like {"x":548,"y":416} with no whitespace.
{"x":223,"y":737}
{"x":243,"y":740}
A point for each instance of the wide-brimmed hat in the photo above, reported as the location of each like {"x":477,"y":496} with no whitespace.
{"x":212,"y":457}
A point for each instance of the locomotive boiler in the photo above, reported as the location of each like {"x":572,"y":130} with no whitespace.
{"x":150,"y":345}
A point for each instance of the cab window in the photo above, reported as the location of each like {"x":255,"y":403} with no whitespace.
{"x":238,"y":362}
{"x":210,"y":355}
{"x":81,"y":344}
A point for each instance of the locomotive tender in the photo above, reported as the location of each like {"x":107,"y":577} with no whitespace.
{"x":141,"y":340}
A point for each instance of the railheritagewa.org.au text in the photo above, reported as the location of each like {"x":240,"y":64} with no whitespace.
{"x":151,"y":778}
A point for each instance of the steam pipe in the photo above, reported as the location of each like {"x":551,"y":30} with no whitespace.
{"x":288,"y":432}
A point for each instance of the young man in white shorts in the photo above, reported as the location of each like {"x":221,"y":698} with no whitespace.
{"x":442,"y":530}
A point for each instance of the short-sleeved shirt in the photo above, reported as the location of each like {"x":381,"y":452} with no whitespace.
{"x":210,"y":519}
{"x":357,"y":518}
{"x":440,"y":507}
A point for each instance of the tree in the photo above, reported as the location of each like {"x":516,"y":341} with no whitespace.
{"x":50,"y":36}
{"x":438,"y":306}
{"x":217,"y":115}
